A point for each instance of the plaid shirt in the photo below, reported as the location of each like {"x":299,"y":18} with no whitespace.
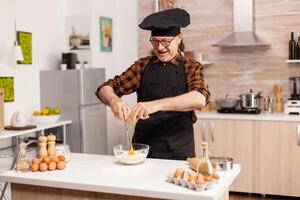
{"x":129,"y":81}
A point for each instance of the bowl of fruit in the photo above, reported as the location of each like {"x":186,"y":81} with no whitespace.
{"x":46,"y":115}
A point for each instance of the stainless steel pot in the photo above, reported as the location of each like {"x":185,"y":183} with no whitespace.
{"x":250,"y":100}
{"x":222,"y":163}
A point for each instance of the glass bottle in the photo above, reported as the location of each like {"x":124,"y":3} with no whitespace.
{"x":292,"y":47}
{"x":298,"y":48}
{"x":205,"y":167}
{"x":22,"y":164}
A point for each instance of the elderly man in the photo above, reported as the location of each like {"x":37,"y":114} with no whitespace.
{"x":169,"y":87}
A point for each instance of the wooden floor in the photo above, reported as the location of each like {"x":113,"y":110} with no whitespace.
{"x":242,"y":196}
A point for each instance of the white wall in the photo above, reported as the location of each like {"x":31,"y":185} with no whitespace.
{"x":44,"y":19}
{"x":124,"y":15}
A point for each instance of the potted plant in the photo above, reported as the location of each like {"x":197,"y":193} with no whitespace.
{"x":85,"y":64}
{"x":78,"y":65}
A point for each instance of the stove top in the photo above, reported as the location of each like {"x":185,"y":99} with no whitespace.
{"x":240,"y":111}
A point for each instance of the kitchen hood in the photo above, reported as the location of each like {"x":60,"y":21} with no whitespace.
{"x":243,"y":28}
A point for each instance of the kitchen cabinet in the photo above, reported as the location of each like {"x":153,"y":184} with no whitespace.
{"x":230,"y":138}
{"x":277,"y":158}
{"x":266,"y":146}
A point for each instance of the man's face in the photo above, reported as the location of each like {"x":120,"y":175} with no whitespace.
{"x":165,"y":48}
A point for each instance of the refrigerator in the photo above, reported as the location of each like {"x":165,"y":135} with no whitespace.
{"x":73,"y":91}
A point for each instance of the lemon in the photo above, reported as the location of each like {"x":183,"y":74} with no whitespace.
{"x":56,"y":111}
{"x":45,"y":111}
{"x":36,"y":112}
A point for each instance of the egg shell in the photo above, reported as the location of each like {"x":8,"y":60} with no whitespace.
{"x":43,"y":167}
{"x":46,"y":159}
{"x":61,"y":165}
{"x":36,"y":160}
{"x":55,"y":159}
{"x":52,"y":166}
{"x":35,"y":167}
{"x":61,"y":158}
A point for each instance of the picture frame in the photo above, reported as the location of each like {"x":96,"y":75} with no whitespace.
{"x":78,"y":32}
{"x":106,"y":34}
{"x":25,"y":42}
{"x":7,"y":83}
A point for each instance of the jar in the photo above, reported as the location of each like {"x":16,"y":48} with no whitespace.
{"x":64,"y":150}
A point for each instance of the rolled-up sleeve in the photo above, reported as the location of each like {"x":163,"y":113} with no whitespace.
{"x":195,"y":80}
{"x":126,"y":83}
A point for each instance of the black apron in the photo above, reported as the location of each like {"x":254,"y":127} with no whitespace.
{"x":169,"y":134}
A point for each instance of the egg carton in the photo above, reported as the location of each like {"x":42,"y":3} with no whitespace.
{"x":190,"y":185}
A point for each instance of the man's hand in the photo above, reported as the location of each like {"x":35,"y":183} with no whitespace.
{"x":142,"y":110}
{"x":120,"y":109}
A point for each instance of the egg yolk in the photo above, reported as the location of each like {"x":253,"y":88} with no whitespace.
{"x":131,"y":152}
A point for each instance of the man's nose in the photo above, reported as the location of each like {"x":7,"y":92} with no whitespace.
{"x":160,"y":46}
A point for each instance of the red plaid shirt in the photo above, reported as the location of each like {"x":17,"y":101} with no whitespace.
{"x":129,"y":81}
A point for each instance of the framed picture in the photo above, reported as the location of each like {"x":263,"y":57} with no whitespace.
{"x":25,"y":41}
{"x":78,"y":32}
{"x":105,"y":25}
{"x":7,"y":83}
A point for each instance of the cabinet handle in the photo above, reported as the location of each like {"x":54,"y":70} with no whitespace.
{"x":212,"y":136}
{"x":203,"y":131}
{"x":298,"y":135}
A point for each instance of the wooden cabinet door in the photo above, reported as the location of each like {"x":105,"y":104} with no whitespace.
{"x":277,"y":163}
{"x":230,"y":138}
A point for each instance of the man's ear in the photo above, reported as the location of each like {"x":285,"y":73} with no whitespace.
{"x":180,"y":38}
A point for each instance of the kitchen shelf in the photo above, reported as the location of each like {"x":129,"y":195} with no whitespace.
{"x":39,"y":127}
{"x":292,"y":61}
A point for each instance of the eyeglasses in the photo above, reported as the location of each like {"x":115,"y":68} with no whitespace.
{"x":165,"y":43}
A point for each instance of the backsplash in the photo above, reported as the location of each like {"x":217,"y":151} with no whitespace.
{"x":236,"y":70}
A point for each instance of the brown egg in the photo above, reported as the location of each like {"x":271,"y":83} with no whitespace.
{"x":41,"y":158}
{"x":35,"y":167}
{"x":43,"y":167}
{"x":36,"y":160}
{"x":200,"y":180}
{"x":61,"y":165}
{"x":61,"y":157}
{"x":46,"y":159}
{"x":52,"y":166}
{"x":55,"y":159}
{"x":191,"y":178}
{"x":208,"y":178}
{"x":179,"y":173}
{"x":216,"y":176}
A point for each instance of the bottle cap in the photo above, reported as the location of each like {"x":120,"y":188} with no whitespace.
{"x":204,"y":145}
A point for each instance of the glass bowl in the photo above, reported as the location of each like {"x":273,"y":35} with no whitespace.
{"x":140,"y":153}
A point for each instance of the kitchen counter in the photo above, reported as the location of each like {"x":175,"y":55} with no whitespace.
{"x":102,"y":174}
{"x":262,"y":116}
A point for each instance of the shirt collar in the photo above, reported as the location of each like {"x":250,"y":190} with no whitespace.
{"x":174,"y":61}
